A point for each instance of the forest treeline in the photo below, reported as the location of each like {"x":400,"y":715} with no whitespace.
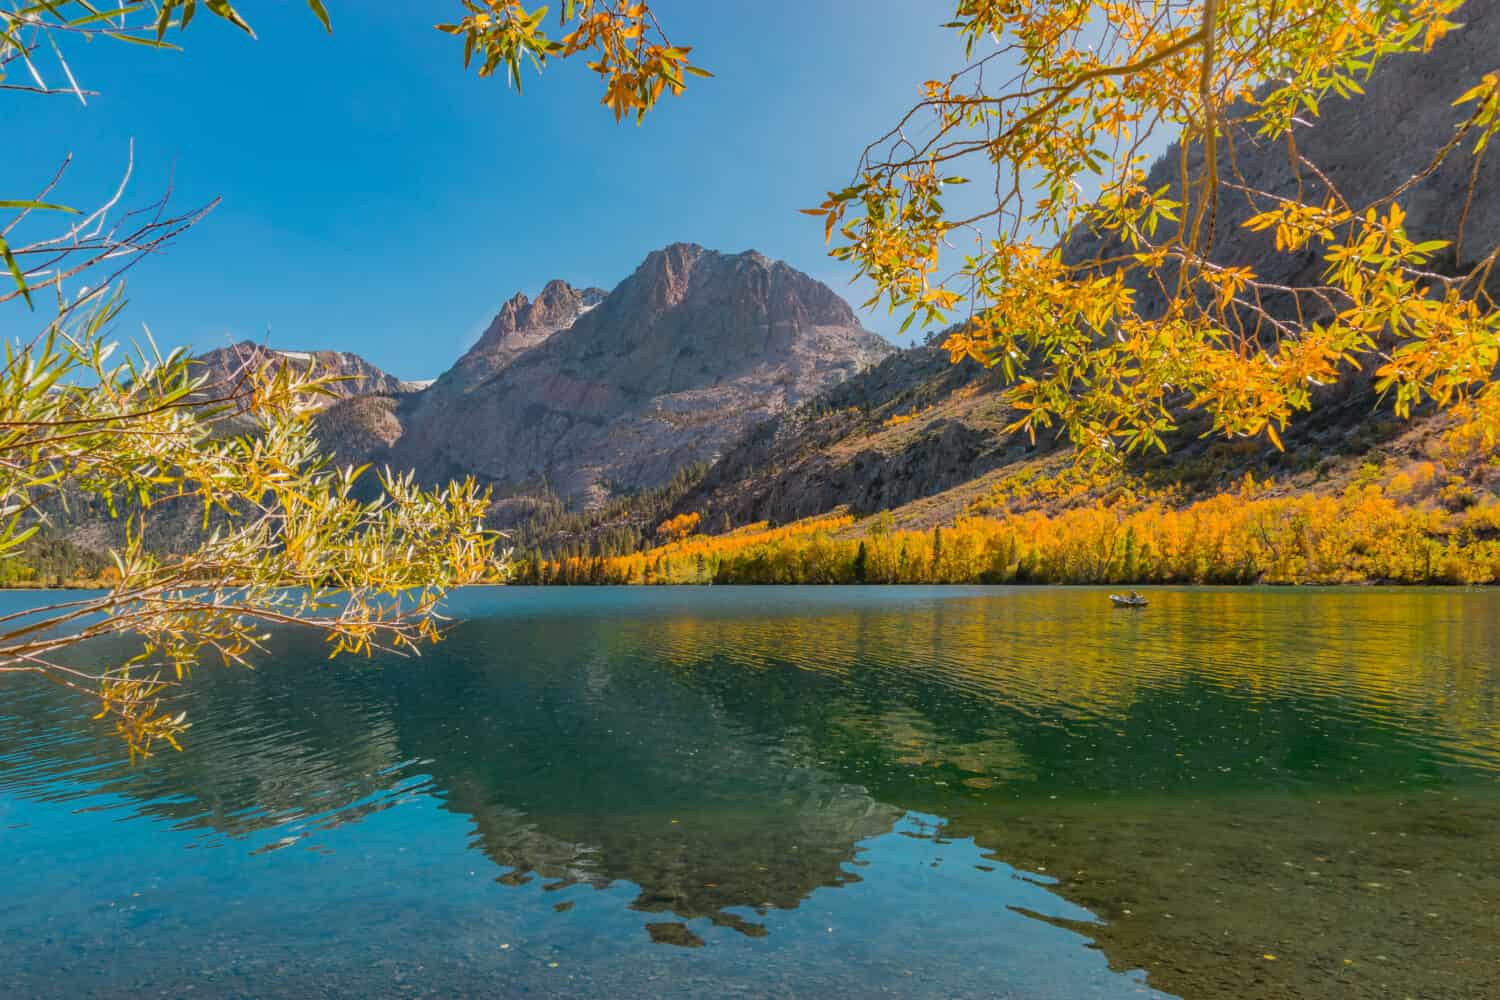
{"x":44,"y":560}
{"x":1413,"y":528}
{"x":1369,"y":533}
{"x":625,"y":525}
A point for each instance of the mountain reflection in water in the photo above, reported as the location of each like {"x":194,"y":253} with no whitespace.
{"x":712,"y":759}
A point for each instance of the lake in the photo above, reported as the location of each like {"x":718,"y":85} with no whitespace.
{"x":944,"y":792}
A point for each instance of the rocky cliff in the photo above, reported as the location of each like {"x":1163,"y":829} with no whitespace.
{"x":520,"y":325}
{"x":589,"y":395}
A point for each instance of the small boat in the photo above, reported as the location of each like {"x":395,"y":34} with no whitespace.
{"x":1128,"y":600}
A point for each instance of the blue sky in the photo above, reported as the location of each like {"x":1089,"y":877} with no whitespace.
{"x":379,"y":199}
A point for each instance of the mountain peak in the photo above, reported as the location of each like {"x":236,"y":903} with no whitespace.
{"x":521,"y":324}
{"x":683,"y":272}
{"x":508,"y":319}
{"x":677,"y":361}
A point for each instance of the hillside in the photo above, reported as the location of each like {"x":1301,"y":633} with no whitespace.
{"x":915,"y":428}
{"x":580,"y":400}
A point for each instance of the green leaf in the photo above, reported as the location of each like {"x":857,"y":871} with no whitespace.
{"x":322,"y":13}
{"x":11,"y":40}
{"x":15,"y":271}
{"x":20,"y":538}
{"x":152,"y":43}
{"x":228,"y":13}
{"x":104,"y":15}
{"x":39,"y":206}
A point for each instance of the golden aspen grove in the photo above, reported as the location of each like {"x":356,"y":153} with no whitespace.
{"x":1366,"y":534}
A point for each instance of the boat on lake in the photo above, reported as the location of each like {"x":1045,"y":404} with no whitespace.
{"x":1130,"y":600}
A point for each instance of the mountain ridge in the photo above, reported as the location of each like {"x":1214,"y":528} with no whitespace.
{"x":590,"y":394}
{"x":356,"y":375}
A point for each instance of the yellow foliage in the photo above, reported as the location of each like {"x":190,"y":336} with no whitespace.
{"x":621,"y":40}
{"x":1061,"y":138}
{"x":678,"y":527}
{"x":1362,"y":535}
{"x":897,"y":419}
{"x":697,"y":558}
{"x":285,"y":538}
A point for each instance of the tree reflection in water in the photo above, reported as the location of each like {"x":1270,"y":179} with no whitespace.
{"x":1213,"y":779}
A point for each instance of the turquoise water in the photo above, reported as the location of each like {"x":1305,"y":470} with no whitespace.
{"x":790,"y":792}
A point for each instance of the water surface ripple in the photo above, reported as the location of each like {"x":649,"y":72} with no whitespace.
{"x":790,"y":792}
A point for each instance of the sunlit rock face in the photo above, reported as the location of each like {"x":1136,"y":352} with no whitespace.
{"x":520,"y":325}
{"x":594,"y":394}
{"x":579,"y":393}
